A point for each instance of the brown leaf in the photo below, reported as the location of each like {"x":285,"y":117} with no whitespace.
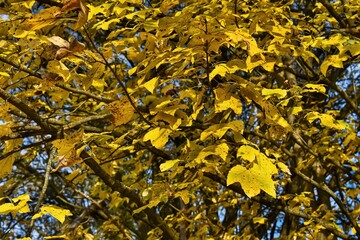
{"x":60,"y":42}
{"x":70,"y":5}
{"x":83,"y":16}
{"x":66,"y":48}
{"x":74,"y":5}
{"x":67,"y":161}
{"x":77,"y":46}
{"x":51,"y":77}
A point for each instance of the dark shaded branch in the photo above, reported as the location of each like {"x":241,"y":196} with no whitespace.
{"x":333,"y":13}
{"x":344,"y":95}
{"x":27,"y":110}
{"x":90,"y":95}
{"x":26,"y":147}
{"x":237,"y":188}
{"x":125,"y":191}
{"x":325,"y":188}
{"x":20,"y":68}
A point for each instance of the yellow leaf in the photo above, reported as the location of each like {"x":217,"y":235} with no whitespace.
{"x":4,"y":74}
{"x":55,"y":211}
{"x":168,"y":165}
{"x":46,"y":17}
{"x":269,"y":65}
{"x":243,"y":176}
{"x":225,"y":100}
{"x":354,"y":49}
{"x":220,"y":150}
{"x":316,"y":87}
{"x":21,"y":205}
{"x":6,"y":165}
{"x":252,"y":180}
{"x":152,"y":84}
{"x":333,"y":60}
{"x":233,"y":103}
{"x":57,"y":237}
{"x":59,"y":68}
{"x":279,"y":93}
{"x":174,"y":122}
{"x":220,"y":69}
{"x":326,"y":120}
{"x":254,"y":61}
{"x":158,"y":137}
{"x":58,"y":41}
{"x":67,"y":144}
{"x":132,"y":70}
{"x":247,"y":152}
{"x":218,"y":130}
{"x":258,"y":177}
{"x":104,"y":24}
{"x":260,"y":220}
{"x":99,"y":84}
{"x":151,"y":25}
{"x":122,"y":111}
{"x":96,"y":72}
{"x":283,"y":168}
{"x":5,"y":130}
{"x":184,"y":194}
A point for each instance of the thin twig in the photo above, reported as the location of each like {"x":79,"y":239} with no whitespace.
{"x":326,"y":189}
{"x":117,"y":78}
{"x":90,"y":95}
{"x":44,"y":188}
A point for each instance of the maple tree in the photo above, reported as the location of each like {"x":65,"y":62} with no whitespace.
{"x":179,"y":119}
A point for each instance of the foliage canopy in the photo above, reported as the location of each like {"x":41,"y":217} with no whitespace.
{"x":179,"y":119}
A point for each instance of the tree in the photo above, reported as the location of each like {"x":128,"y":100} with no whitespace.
{"x":179,"y":119}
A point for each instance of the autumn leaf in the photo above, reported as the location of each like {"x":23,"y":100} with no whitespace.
{"x":333,"y":60}
{"x":66,"y":146}
{"x":326,"y":120}
{"x":69,"y":159}
{"x":20,"y":205}
{"x":121,"y":110}
{"x":70,"y":5}
{"x":55,"y":211}
{"x":220,"y":150}
{"x":279,"y":93}
{"x":65,"y":48}
{"x":168,"y":165}
{"x":218,"y":130}
{"x":256,"y":178}
{"x":158,"y":137}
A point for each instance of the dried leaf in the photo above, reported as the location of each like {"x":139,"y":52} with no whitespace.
{"x":67,"y":160}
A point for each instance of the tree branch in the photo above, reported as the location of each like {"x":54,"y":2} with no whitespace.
{"x":90,"y":95}
{"x":343,"y":95}
{"x":26,"y":147}
{"x":125,"y":191}
{"x":277,"y":205}
{"x":27,"y":110}
{"x":326,"y":189}
{"x":333,"y":13}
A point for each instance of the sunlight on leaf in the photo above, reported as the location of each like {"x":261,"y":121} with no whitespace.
{"x":55,"y":211}
{"x":168,"y":165}
{"x":158,"y":137}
